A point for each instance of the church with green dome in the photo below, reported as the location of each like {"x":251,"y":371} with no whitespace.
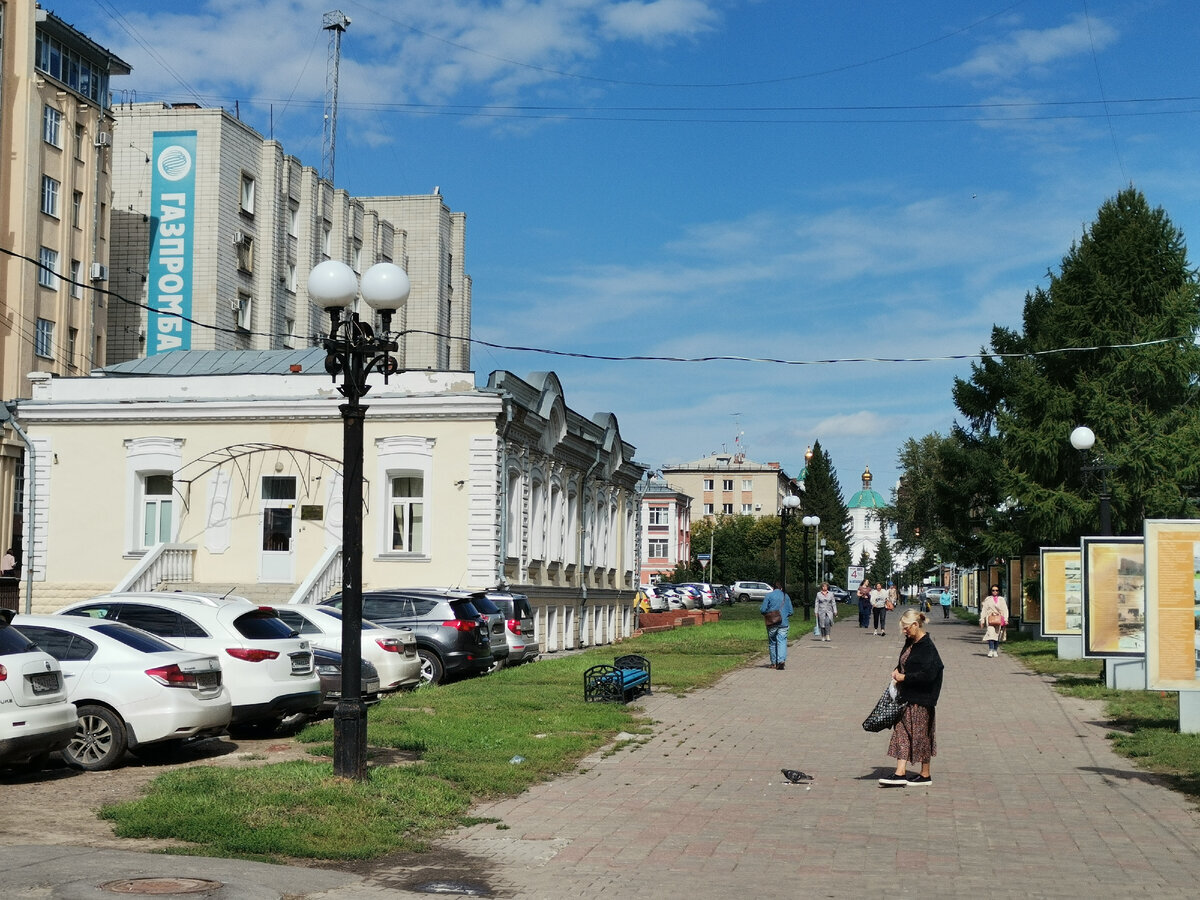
{"x":864,"y":519}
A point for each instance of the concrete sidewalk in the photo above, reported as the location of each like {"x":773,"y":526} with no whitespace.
{"x":1027,"y":799}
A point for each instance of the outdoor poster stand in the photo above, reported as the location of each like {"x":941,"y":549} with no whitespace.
{"x":1062,"y":599}
{"x":1173,"y":614}
{"x":1114,"y":608}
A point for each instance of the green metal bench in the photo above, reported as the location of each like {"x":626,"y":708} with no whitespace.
{"x":628,"y":677}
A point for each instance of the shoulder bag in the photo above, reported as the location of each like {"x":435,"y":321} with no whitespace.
{"x":772,"y":617}
{"x":887,"y":711}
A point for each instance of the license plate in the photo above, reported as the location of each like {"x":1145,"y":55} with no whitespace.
{"x":301,"y":664}
{"x":44,"y":682}
{"x":208,"y":680}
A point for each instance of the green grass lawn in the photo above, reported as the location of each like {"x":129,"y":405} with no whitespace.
{"x":455,"y":744}
{"x":439,"y":750}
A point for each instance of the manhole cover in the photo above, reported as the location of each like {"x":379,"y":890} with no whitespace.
{"x":461,"y":888}
{"x":160,"y":886}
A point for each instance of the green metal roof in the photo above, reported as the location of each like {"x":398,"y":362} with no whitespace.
{"x":866,"y":498}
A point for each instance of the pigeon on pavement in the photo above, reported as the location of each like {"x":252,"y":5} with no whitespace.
{"x":795,"y":777}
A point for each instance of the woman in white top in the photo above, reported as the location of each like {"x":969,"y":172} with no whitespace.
{"x":993,"y":618}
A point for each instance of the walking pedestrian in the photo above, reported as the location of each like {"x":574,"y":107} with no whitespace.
{"x":776,"y":610}
{"x":946,"y":599}
{"x":993,"y":619}
{"x":918,"y":679}
{"x":826,"y":605}
{"x":864,"y":605}
{"x":879,"y":609}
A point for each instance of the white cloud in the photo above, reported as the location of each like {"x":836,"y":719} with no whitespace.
{"x":658,"y":19}
{"x":1035,"y":51}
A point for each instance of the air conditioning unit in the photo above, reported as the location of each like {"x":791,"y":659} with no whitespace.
{"x":239,"y":238}
{"x":758,"y":507}
{"x":99,"y":272}
{"x":103,"y":139}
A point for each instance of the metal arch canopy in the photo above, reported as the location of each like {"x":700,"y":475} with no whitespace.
{"x":237,"y":456}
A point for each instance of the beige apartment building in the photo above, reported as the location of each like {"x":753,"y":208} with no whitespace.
{"x":727,"y":484}
{"x":212,"y":222}
{"x":56,"y":156}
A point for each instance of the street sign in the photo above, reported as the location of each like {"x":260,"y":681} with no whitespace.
{"x":704,"y":557}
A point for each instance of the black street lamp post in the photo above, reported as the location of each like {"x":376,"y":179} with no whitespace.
{"x":1083,"y":439}
{"x":808,"y":522}
{"x":354,"y":352}
{"x":787,"y":508}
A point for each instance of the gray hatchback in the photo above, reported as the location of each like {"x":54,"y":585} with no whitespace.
{"x":519,"y":630}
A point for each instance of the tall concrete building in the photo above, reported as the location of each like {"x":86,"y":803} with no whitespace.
{"x":729,"y":484}
{"x":56,"y":152}
{"x":215,"y":229}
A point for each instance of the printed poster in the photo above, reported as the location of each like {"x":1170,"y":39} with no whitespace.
{"x":1062,"y":591}
{"x":1172,"y":605}
{"x":1114,"y":596}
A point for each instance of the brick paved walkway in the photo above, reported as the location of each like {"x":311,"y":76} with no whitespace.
{"x":1027,"y":798}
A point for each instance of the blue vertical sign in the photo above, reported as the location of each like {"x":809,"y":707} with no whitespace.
{"x":172,"y":198}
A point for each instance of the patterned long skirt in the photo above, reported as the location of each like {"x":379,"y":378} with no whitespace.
{"x":913,"y":736}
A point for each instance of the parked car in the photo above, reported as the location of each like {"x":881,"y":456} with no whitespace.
{"x":934,"y":594}
{"x":689,"y":595}
{"x":655,"y":598}
{"x":392,"y":651}
{"x":496,"y":626}
{"x":268,"y":670}
{"x":750,"y":590}
{"x":132,"y":690}
{"x":722,"y":594}
{"x":705,"y":591}
{"x":36,"y":717}
{"x":453,"y":638}
{"x":519,"y":631}
{"x":329,"y":667}
{"x":842,"y":595}
{"x":666,"y":596}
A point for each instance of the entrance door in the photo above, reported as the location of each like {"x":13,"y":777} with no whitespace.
{"x":277,"y":557}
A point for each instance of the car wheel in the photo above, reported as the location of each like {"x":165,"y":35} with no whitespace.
{"x":432,"y":670}
{"x":742,"y":598}
{"x":99,"y":741}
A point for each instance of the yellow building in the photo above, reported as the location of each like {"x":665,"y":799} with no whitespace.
{"x":56,"y":139}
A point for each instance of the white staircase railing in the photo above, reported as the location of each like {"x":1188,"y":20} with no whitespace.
{"x":163,"y":564}
{"x":324,"y":577}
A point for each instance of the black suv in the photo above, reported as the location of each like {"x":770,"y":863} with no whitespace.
{"x":452,"y":634}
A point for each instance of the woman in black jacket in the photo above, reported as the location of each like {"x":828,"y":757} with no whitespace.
{"x":918,"y":678}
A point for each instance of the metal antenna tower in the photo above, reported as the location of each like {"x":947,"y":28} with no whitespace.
{"x":335,"y":23}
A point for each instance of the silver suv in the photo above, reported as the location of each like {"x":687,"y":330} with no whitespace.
{"x":750,"y":590}
{"x":268,"y":670}
{"x":523,"y":644}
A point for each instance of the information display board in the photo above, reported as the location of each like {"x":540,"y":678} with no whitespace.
{"x":1114,"y":596}
{"x":1062,"y":591}
{"x":1172,"y":604}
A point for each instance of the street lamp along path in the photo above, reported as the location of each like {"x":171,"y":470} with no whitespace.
{"x":354,"y":352}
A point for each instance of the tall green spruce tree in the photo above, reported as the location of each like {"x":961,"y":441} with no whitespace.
{"x":823,"y":497}
{"x":1127,"y":296}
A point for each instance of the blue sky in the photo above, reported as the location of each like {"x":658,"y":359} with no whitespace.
{"x":755,"y":178}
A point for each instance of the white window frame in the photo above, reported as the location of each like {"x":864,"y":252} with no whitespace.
{"x":708,"y":509}
{"x":654,"y":543}
{"x":245,"y":311}
{"x":247,"y":194}
{"x":747,"y":509}
{"x":48,"y":272}
{"x":163,"y":506}
{"x":405,"y":456}
{"x":77,"y":209}
{"x":726,"y":485}
{"x":52,"y":126}
{"x":727,"y":509}
{"x":51,"y":188}
{"x":708,"y":484}
{"x":146,"y":457}
{"x":658,"y":515}
{"x":245,"y":254}
{"x":43,"y":345}
{"x":293,"y":220}
{"x":76,"y":279}
{"x":747,"y":484}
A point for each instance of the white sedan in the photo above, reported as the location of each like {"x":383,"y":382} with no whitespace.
{"x":132,"y":690}
{"x":392,"y":651}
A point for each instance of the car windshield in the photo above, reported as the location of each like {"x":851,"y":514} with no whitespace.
{"x":484,"y":605}
{"x":135,"y":638}
{"x":263,"y":625}
{"x":464,"y":609}
{"x":12,"y":641}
